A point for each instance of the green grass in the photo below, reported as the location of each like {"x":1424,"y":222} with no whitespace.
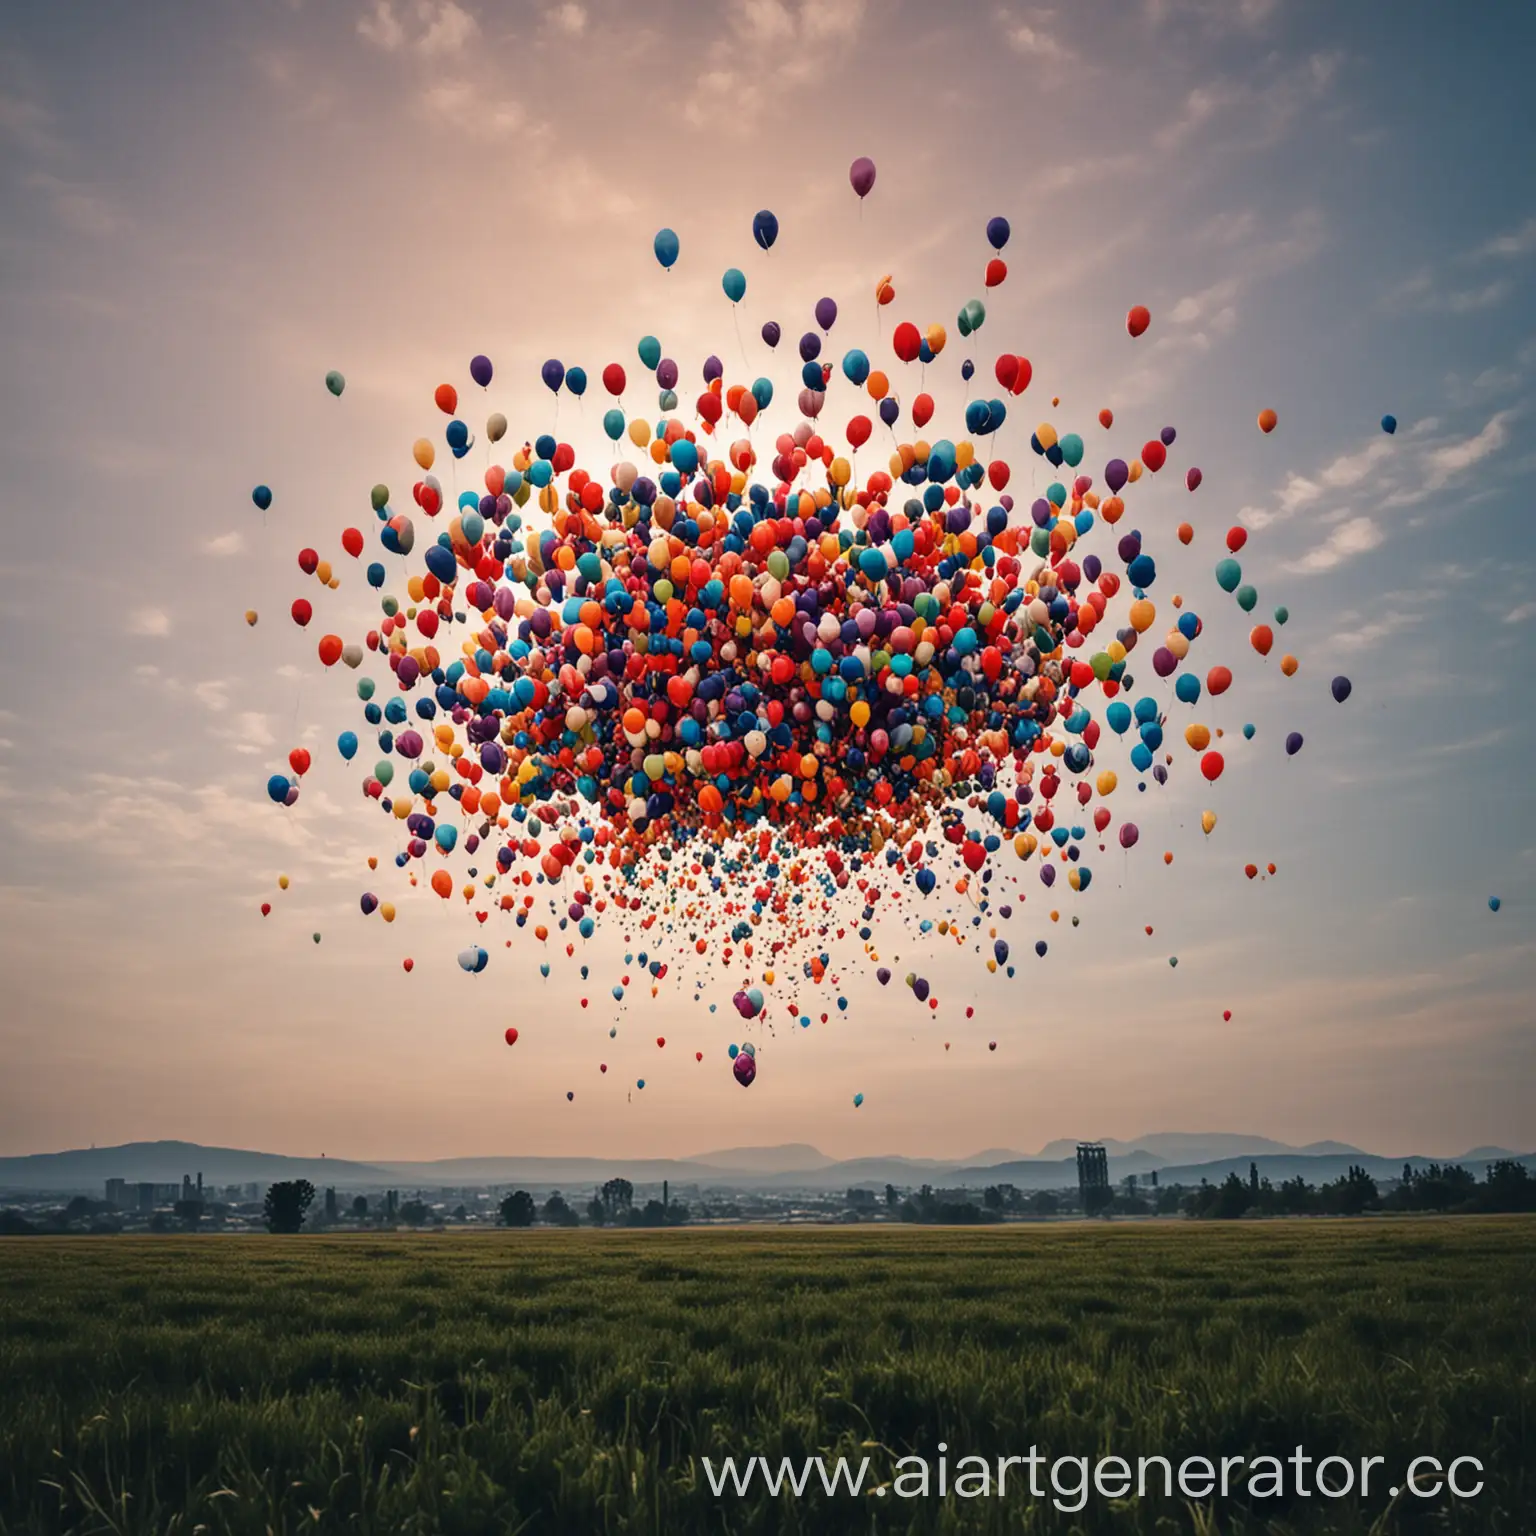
{"x":564,"y":1382}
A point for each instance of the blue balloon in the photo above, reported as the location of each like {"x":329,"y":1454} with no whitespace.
{"x":855,"y":366}
{"x":998,"y":232}
{"x":346,"y":744}
{"x":666,"y":247}
{"x":262,"y":496}
{"x":376,"y":574}
{"x":1389,"y":425}
{"x":277,"y":789}
{"x":1187,"y":689}
{"x":765,"y":228}
{"x":1494,"y":903}
{"x":576,"y":381}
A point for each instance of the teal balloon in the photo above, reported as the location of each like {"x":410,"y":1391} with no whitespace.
{"x":666,"y":246}
{"x":335,"y":382}
{"x":1282,"y":613}
{"x":762,"y":392}
{"x":613,"y":424}
{"x":735,"y":284}
{"x":1228,"y":574}
{"x":974,"y":313}
{"x":650,"y":352}
{"x":1071,"y":449}
{"x":855,"y":366}
{"x":668,"y":400}
{"x":1247,"y":598}
{"x":1248,"y":732}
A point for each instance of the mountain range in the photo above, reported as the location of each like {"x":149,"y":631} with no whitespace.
{"x":1177,"y":1157}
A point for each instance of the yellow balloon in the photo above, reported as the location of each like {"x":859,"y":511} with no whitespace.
{"x":250,"y":616}
{"x":1207,"y":822}
{"x":640,"y":432}
{"x":387,"y":911}
{"x":1143,"y":613}
{"x":1198,"y":737}
{"x":1134,"y":473}
{"x":1107,"y":782}
{"x":424,"y":452}
{"x":282,"y":882}
{"x":1045,"y":435}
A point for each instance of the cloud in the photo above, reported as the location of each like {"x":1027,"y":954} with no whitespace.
{"x":1443,"y":464}
{"x":24,"y":118}
{"x":1518,"y":242}
{"x":1353,"y":537}
{"x":1467,"y":300}
{"x":1211,"y":300}
{"x":457,"y":104}
{"x":77,"y":207}
{"x":1521,"y":614}
{"x":247,"y":732}
{"x":1031,"y":41}
{"x":225,"y":544}
{"x":569,"y":18}
{"x":155,"y":622}
{"x":438,"y":27}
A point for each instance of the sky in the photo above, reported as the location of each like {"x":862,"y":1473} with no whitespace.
{"x":1330,"y":212}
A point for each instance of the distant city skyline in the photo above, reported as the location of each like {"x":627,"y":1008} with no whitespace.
{"x":202,"y":218}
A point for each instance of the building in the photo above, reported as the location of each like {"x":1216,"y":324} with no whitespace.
{"x":117,"y":1193}
{"x":1093,"y":1177}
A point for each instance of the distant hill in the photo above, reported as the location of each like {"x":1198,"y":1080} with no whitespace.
{"x":796,"y":1157}
{"x":780,"y":1169}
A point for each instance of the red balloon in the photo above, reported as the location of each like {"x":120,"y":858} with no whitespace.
{"x":997,"y":271}
{"x":1262,"y":638}
{"x":922,"y":410}
{"x":1006,"y":369}
{"x":613,"y":379}
{"x":308,"y":561}
{"x":1138,"y":319}
{"x":298,"y":760}
{"x":301,"y":611}
{"x":266,"y":907}
{"x":1218,"y":680}
{"x":1236,"y":538}
{"x":409,"y":964}
{"x":1106,"y":418}
{"x":907,"y":341}
{"x":1153,"y":454}
{"x":661,"y":1040}
{"x":330,"y":649}
{"x":698,"y":1055}
{"x":447,"y":398}
{"x":858,"y":431}
{"x":352,"y":542}
{"x":1211,"y":765}
{"x":1021,"y":379}
{"x":511,"y":1034}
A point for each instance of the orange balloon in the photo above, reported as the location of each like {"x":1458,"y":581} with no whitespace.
{"x":1262,"y":638}
{"x":1267,"y":420}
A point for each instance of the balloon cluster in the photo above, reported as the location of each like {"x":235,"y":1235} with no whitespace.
{"x":735,"y":691}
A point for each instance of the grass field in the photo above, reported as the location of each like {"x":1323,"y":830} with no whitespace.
{"x":565,"y":1381}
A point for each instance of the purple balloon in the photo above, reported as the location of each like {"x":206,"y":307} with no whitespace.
{"x":810,"y":347}
{"x":666,"y":373}
{"x":369,"y":903}
{"x":1164,"y":661}
{"x":408,"y":744}
{"x":771,"y":332}
{"x":826,"y":311}
{"x":713,"y":368}
{"x":1193,"y":479}
{"x":1047,"y":878}
{"x":744,"y":1068}
{"x":1167,"y":435}
{"x":861,"y":175}
{"x":1129,"y":834}
{"x":998,"y":232}
{"x":480,"y":369}
{"x":1293,"y":744}
{"x":1116,"y":473}
{"x":553,"y":374}
{"x":1342,"y":687}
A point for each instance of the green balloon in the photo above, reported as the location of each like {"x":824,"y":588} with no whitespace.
{"x":1247,"y":598}
{"x":379,"y":496}
{"x":384,"y":770}
{"x":365,"y":688}
{"x":1282,"y":613}
{"x":334,"y":382}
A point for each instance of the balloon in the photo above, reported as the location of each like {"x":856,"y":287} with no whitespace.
{"x":1267,"y":420}
{"x":262,"y":496}
{"x":858,"y":1100}
{"x":511,"y":1035}
{"x":1341,"y":687}
{"x":1494,"y":903}
{"x":861,"y":176}
{"x":765,"y":229}
{"x":447,"y":398}
{"x":744,"y":1069}
{"x":1293,"y":744}
{"x":553,"y":374}
{"x":771,"y":332}
{"x":666,"y":247}
{"x":997,"y":233}
{"x":735,"y":284}
{"x":1192,"y":479}
{"x":1389,"y":425}
{"x":1137,"y":319}
{"x":335,"y":382}
{"x":480,"y":370}
{"x":826,"y":313}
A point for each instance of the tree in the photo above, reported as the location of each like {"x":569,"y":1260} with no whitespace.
{"x":597,"y":1212}
{"x":287,"y":1204}
{"x":415,"y":1213}
{"x":618,"y":1195}
{"x":1044,"y":1203}
{"x":360,"y":1207}
{"x":558,"y":1213}
{"x":892,"y":1199}
{"x":518,"y":1209}
{"x":188,"y":1212}
{"x":993,"y":1198}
